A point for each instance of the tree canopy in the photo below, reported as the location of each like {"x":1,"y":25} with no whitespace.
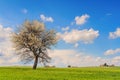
{"x":32,"y":41}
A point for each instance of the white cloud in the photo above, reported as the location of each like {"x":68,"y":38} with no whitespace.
{"x":76,"y":45}
{"x":6,"y":50}
{"x":24,"y":11}
{"x":46,"y":19}
{"x":3,"y":32}
{"x":85,"y":36}
{"x":116,"y":60}
{"x":66,"y":28}
{"x":111,"y":51}
{"x":71,"y":57}
{"x":81,"y":19}
{"x":116,"y":34}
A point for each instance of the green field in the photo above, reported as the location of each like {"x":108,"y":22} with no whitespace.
{"x":88,"y":73}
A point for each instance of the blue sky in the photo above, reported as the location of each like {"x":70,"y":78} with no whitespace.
{"x":90,"y":29}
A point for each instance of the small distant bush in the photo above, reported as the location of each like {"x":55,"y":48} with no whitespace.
{"x":69,"y":66}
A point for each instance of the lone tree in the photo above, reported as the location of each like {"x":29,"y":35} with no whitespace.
{"x":32,"y":41}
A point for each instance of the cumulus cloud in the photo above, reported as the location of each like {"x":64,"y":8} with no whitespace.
{"x":66,"y":28}
{"x":76,"y":45}
{"x":111,"y":51}
{"x":74,"y":58}
{"x":116,"y":34}
{"x":74,"y":36}
{"x":6,"y":50}
{"x":71,"y":57}
{"x":46,"y":19}
{"x":3,"y":32}
{"x":81,"y":19}
{"x":24,"y":11}
{"x":116,"y":60}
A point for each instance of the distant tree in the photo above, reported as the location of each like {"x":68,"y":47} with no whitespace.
{"x":32,"y":41}
{"x":105,"y":64}
{"x":69,"y":66}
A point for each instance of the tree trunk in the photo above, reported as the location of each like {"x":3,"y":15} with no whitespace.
{"x":35,"y":62}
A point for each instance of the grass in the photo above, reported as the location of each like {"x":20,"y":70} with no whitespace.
{"x":86,"y":73}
